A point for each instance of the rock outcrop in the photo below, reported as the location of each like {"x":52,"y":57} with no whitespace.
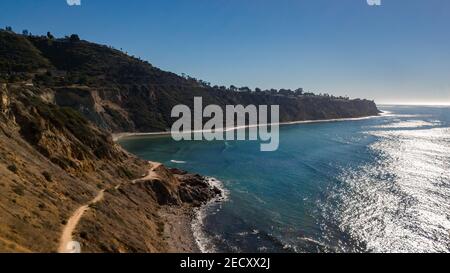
{"x":59,"y":101}
{"x":4,"y":100}
{"x":53,"y":160}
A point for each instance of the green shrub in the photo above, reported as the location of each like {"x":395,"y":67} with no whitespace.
{"x":13,"y":168}
{"x":125,"y":173}
{"x":47,"y":176}
{"x":84,"y":235}
{"x":19,"y":190}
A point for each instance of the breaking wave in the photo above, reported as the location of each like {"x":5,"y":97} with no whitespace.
{"x":204,"y":241}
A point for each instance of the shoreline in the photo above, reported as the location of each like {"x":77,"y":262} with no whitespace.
{"x":118,"y":136}
{"x":203,"y":243}
{"x":177,"y":229}
{"x":184,"y":226}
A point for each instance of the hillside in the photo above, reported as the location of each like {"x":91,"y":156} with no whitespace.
{"x":120,"y":93}
{"x":52,"y":161}
{"x":60,"y":100}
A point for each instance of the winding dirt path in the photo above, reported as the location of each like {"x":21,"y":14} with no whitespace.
{"x":151,"y":173}
{"x":69,"y":228}
{"x":66,"y":236}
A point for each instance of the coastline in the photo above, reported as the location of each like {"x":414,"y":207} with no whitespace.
{"x":118,"y":136}
{"x":202,"y":241}
{"x":179,"y":236}
{"x":183,"y":226}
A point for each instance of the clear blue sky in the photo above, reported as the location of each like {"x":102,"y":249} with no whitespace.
{"x":398,"y":52}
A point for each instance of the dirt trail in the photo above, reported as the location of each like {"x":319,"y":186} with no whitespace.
{"x":66,"y":236}
{"x":69,"y":228}
{"x":151,"y":173}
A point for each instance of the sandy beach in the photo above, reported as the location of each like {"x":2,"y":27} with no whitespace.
{"x":118,"y":136}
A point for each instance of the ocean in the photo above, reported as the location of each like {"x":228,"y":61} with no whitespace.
{"x":373,"y":185}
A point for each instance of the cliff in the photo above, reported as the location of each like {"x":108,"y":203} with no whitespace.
{"x":53,"y":161}
{"x":59,"y":101}
{"x":120,"y":93}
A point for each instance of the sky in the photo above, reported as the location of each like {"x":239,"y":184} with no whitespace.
{"x":398,"y":52}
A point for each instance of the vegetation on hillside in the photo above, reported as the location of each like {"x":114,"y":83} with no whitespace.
{"x":120,"y":93}
{"x":60,"y":99}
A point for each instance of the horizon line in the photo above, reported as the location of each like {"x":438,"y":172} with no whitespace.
{"x":414,"y":103}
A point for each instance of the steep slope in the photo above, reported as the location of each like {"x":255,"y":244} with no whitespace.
{"x":120,"y":93}
{"x":60,"y":100}
{"x":52,"y":161}
{"x":17,"y":54}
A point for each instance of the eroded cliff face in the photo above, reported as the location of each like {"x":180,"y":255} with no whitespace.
{"x":148,"y":108}
{"x":52,"y":161}
{"x":121,"y":93}
{"x":4,"y":101}
{"x":62,"y":101}
{"x":132,"y":213}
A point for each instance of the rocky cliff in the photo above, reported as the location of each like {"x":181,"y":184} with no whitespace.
{"x":59,"y":101}
{"x":53,"y":161}
{"x":120,"y":93}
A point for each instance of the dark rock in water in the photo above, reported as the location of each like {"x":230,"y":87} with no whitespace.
{"x":195,"y":189}
{"x":217,"y":191}
{"x":177,"y":171}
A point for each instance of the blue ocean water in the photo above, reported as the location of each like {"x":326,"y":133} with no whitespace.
{"x":373,"y":185}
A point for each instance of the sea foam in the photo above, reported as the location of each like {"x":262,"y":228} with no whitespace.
{"x":204,"y":242}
